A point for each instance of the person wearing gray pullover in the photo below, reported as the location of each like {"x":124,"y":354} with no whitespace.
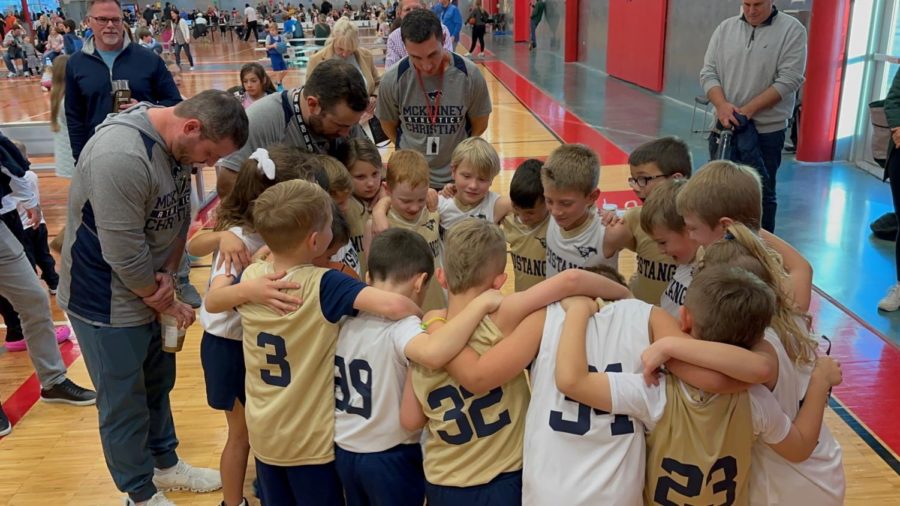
{"x":754,"y":66}
{"x":128,"y":216}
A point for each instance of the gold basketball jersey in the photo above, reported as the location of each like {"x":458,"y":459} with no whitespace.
{"x":700,"y":450}
{"x":653,"y":270}
{"x":471,"y":438}
{"x":428,"y":226}
{"x":290,"y":374}
{"x":357,"y":217}
{"x":527,"y":249}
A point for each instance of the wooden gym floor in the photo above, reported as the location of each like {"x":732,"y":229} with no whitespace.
{"x":53,"y":455}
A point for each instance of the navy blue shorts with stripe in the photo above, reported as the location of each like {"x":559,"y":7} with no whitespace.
{"x":393,"y":477}
{"x":223,"y":370}
{"x":504,"y":490}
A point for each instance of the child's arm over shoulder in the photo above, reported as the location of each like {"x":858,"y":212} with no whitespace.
{"x":482,"y":373}
{"x":379,"y":221}
{"x":411,"y":415}
{"x":796,"y":442}
{"x":502,"y":207}
{"x":618,"y":236}
{"x":740,"y":364}
{"x":799,"y":270}
{"x":663,"y":324}
{"x":435,"y":350}
{"x":225,"y":294}
{"x":342,"y":296}
{"x":517,"y":306}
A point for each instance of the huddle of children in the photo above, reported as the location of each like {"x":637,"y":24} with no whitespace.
{"x":334,"y":383}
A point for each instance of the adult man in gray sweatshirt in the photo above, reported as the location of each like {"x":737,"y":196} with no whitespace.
{"x":129,"y":212}
{"x":754,"y":66}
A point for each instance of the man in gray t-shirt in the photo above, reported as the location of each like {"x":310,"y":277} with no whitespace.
{"x":433,"y":99}
{"x":329,"y":107}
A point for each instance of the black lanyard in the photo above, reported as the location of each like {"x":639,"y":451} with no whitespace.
{"x":304,"y":131}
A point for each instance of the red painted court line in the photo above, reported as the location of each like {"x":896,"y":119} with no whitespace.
{"x":871,"y":364}
{"x":29,"y":392}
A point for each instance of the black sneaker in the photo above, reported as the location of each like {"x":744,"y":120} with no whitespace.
{"x":5,"y":425}
{"x":68,"y":392}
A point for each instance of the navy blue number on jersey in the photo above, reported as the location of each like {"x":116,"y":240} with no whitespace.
{"x":359,"y":376}
{"x":580,"y":426}
{"x":687,"y":480}
{"x":278,"y":357}
{"x":471,"y":423}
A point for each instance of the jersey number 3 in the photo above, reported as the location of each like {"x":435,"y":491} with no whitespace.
{"x":458,"y":413}
{"x":580,"y":426}
{"x":278,"y":358}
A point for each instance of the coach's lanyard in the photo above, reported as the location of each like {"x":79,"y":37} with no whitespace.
{"x":432,"y":110}
{"x":304,"y":131}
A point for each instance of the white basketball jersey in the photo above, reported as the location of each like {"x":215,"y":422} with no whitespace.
{"x":227,"y":324}
{"x":575,"y":455}
{"x":818,"y":480}
{"x":451,"y":211}
{"x":577,"y":248}
{"x":369,"y":373}
{"x":673,"y":297}
{"x":348,"y":256}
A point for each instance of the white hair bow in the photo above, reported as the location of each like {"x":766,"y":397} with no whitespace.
{"x":264,"y":164}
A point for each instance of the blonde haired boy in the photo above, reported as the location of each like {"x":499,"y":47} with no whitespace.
{"x":473,"y":454}
{"x":406,"y":183}
{"x":575,"y":234}
{"x":289,"y":355}
{"x":659,"y":219}
{"x":699,"y":444}
{"x":473,"y":166}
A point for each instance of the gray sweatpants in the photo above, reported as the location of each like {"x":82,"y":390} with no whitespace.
{"x":19,"y":284}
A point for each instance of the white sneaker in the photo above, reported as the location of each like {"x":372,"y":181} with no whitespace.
{"x":158,"y":499}
{"x":891,"y":301}
{"x":192,"y":68}
{"x":183,"y":476}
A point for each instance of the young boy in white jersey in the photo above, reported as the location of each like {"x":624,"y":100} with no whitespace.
{"x":289,"y":358}
{"x":699,"y":444}
{"x":575,"y":235}
{"x":659,"y":220}
{"x":378,"y":461}
{"x":473,"y":454}
{"x":406,"y":183}
{"x":474,"y":165}
{"x":526,"y":227}
{"x":651,"y":164}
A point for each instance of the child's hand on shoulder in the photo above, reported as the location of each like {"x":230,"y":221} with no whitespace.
{"x":449,"y":191}
{"x":653,"y":358}
{"x":267,"y":290}
{"x":233,"y":253}
{"x":431,"y":200}
{"x":490,"y":300}
{"x":610,"y":218}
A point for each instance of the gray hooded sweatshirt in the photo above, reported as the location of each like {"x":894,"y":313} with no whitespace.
{"x":129,"y":204}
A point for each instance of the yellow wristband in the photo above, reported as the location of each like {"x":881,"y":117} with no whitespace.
{"x":425,"y":325}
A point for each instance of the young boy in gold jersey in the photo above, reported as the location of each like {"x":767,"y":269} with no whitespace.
{"x":406,"y":183}
{"x":289,"y":355}
{"x":699,"y":444}
{"x":473,"y":454}
{"x":526,"y":227}
{"x":651,"y":163}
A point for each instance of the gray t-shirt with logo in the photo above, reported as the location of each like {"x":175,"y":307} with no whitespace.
{"x":464,"y":94}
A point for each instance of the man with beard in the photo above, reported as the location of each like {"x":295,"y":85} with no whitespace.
{"x":129,"y":212}
{"x":107,"y":57}
{"x":315,"y":118}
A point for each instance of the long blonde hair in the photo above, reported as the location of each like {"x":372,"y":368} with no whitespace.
{"x":57,"y":89}
{"x":742,"y":248}
{"x":344,"y":29}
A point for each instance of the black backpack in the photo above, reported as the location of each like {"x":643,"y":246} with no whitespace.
{"x":885,"y":228}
